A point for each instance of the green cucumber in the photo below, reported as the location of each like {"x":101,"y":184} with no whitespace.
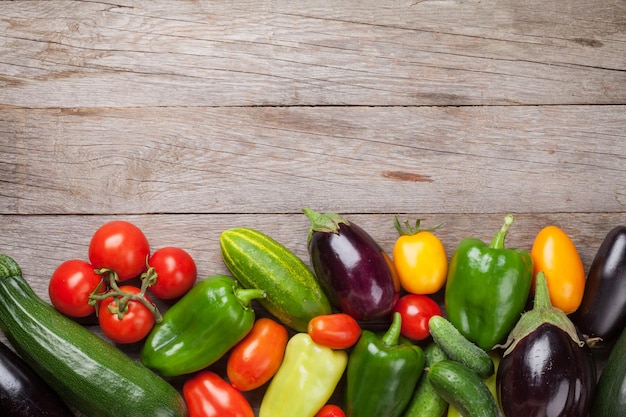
{"x":294,"y":296}
{"x":425,"y":401}
{"x":459,"y":348}
{"x":462,"y":388}
{"x":88,"y":373}
{"x":610,"y":396}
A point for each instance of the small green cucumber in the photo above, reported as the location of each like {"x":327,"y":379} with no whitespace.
{"x":610,"y":396}
{"x":459,"y":348}
{"x":462,"y":388}
{"x":425,"y":401}
{"x":294,"y":296}
{"x":88,"y":373}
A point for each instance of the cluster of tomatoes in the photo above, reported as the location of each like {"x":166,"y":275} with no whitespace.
{"x":119,"y":252}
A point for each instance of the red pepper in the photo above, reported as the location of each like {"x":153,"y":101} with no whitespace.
{"x":208,"y":395}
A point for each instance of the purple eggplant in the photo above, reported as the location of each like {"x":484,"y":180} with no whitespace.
{"x":546,"y":370}
{"x":357,"y":276}
{"x":602,"y":312}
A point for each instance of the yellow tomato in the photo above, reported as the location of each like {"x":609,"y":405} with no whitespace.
{"x":555,"y":254}
{"x":420,"y":260}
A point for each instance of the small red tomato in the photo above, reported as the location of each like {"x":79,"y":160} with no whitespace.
{"x":257,"y":357}
{"x":416,"y":310}
{"x":330,"y":410}
{"x":208,"y":395}
{"x":336,"y":330}
{"x":135,"y":324}
{"x":175,"y":272}
{"x":120,"y":246}
{"x":70,"y":286}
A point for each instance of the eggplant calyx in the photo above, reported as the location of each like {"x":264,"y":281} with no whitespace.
{"x":327,"y":222}
{"x":542,"y":312}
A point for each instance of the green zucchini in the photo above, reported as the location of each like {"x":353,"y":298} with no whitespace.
{"x":459,"y":348}
{"x":610,"y":396}
{"x":462,"y":388}
{"x":425,"y":401}
{"x":294,"y":296}
{"x":88,"y":373}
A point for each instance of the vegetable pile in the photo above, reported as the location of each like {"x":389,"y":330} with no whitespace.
{"x":494,"y":331}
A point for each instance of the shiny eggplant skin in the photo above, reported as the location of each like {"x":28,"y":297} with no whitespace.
{"x":546,"y":375}
{"x":602,"y":313}
{"x":23,"y":393}
{"x":356,"y":274}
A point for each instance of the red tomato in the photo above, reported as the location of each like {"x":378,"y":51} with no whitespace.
{"x":416,"y":310}
{"x":336,"y":331}
{"x":208,"y":395}
{"x":175,"y":272}
{"x":70,"y":286}
{"x":134,"y":325}
{"x":120,"y":246}
{"x":330,"y":410}
{"x":257,"y":357}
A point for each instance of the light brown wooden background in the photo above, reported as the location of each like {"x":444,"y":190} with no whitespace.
{"x":190,"y":117}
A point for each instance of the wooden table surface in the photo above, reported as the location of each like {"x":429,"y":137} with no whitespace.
{"x":190,"y":117}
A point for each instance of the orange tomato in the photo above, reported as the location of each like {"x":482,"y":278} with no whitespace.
{"x":555,"y":254}
{"x":257,"y":357}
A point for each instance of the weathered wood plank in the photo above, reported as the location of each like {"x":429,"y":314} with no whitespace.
{"x":456,"y":52}
{"x":275,"y":160}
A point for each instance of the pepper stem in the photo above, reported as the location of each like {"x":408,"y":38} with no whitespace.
{"x":498,"y":239}
{"x":245,"y":296}
{"x":390,"y":338}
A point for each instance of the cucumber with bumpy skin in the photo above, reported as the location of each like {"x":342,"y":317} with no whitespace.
{"x":459,"y":348}
{"x":462,"y":388}
{"x":294,"y":296}
{"x":426,"y":402}
{"x":88,"y":373}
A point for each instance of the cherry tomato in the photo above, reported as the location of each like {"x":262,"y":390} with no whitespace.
{"x":335,"y":330}
{"x":330,"y":410}
{"x":175,"y":270}
{"x":416,"y":310}
{"x":120,"y":246}
{"x":134,"y":325}
{"x":420,"y":259}
{"x":208,"y":395}
{"x":70,"y":286}
{"x":257,"y":357}
{"x":555,"y":254}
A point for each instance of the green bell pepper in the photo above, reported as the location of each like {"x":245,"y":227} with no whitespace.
{"x":487,"y":288}
{"x":382,"y":374}
{"x":201,"y":327}
{"x":305,"y":381}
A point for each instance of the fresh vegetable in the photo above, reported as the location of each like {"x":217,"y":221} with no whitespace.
{"x":125,"y":320}
{"x":610,"y":396}
{"x":119,"y":246}
{"x":457,"y":347}
{"x":555,"y":255}
{"x":416,"y":310}
{"x":23,"y":393}
{"x":294,"y":296}
{"x":546,"y":369}
{"x":425,"y":401}
{"x":462,"y":388}
{"x":70,"y":286}
{"x":201,"y":327}
{"x":172,"y":271}
{"x":88,"y":373}
{"x":420,"y":259}
{"x":305,"y":381}
{"x":382,"y":374}
{"x":330,"y":410}
{"x":602,"y":312}
{"x":336,"y":330}
{"x":257,"y":357}
{"x":490,"y":382}
{"x":487,"y":288}
{"x":208,"y":395}
{"x":356,"y":274}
